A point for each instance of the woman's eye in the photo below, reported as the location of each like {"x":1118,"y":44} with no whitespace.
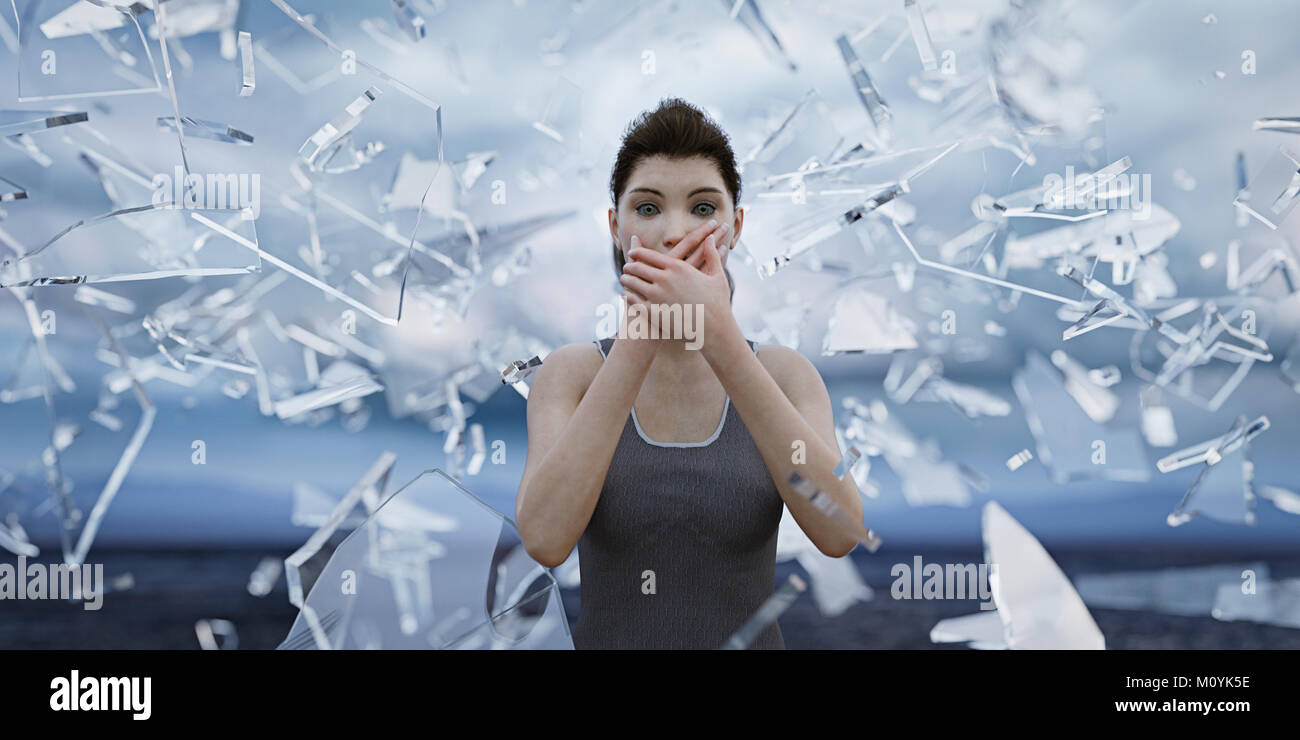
{"x":646,"y":209}
{"x":705,"y":209}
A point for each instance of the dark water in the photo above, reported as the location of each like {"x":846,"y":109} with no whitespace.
{"x":174,"y":589}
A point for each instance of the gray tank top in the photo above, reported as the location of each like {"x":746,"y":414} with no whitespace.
{"x":695,"y":521}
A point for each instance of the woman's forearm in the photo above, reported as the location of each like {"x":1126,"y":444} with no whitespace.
{"x":776,"y":425}
{"x":559,"y":499}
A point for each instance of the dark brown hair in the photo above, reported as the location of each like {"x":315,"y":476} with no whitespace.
{"x":677,"y":130}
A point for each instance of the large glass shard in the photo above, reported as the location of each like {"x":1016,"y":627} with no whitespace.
{"x":144,"y":243}
{"x":80,"y":50}
{"x":1039,"y":608}
{"x":1188,"y":592}
{"x":1275,"y":191}
{"x":415,"y":586}
{"x":1070,"y":444}
{"x":863,"y":322}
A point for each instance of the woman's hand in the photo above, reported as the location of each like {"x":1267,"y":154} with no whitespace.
{"x":691,"y":274}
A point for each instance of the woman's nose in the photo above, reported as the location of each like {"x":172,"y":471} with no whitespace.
{"x":675,"y":230}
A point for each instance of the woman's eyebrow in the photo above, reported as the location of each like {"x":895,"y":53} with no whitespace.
{"x":693,"y":192}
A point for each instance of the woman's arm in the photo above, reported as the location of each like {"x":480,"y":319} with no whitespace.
{"x":783,"y":418}
{"x":572,"y":433}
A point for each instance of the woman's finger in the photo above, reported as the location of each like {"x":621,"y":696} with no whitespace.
{"x":633,"y":298}
{"x":720,"y":232}
{"x":693,"y":239}
{"x":650,"y":257}
{"x":646,"y":272}
{"x":635,"y":284}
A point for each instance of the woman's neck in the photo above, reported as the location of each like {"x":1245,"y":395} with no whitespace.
{"x":674,"y":360}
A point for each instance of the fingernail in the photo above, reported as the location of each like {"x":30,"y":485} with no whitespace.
{"x":713,"y":223}
{"x":726,"y":228}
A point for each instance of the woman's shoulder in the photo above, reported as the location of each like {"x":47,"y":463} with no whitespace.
{"x":572,"y":366}
{"x":788,"y":367}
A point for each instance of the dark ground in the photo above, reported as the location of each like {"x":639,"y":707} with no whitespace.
{"x":174,"y":589}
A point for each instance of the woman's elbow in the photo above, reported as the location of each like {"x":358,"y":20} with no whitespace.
{"x":546,"y":556}
{"x":538,"y":548}
{"x":836,"y":549}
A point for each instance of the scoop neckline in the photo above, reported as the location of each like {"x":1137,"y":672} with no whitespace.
{"x":726,"y":406}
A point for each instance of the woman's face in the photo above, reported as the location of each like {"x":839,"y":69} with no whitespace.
{"x":666,"y":199}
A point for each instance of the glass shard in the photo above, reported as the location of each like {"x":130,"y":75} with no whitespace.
{"x":863,"y":322}
{"x":766,"y":614}
{"x":248,"y":83}
{"x":1275,"y":190}
{"x":1223,"y":489}
{"x":13,"y":122}
{"x":1020,"y":458}
{"x":429,"y":586}
{"x":330,"y":133}
{"x":86,"y":31}
{"x":210,"y":130}
{"x":920,"y":35}
{"x":1039,"y":608}
{"x":1071,"y":445}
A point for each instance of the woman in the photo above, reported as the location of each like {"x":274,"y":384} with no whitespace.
{"x":668,"y":466}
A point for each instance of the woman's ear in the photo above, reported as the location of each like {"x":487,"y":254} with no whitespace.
{"x":613,"y":228}
{"x":736,"y":226}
